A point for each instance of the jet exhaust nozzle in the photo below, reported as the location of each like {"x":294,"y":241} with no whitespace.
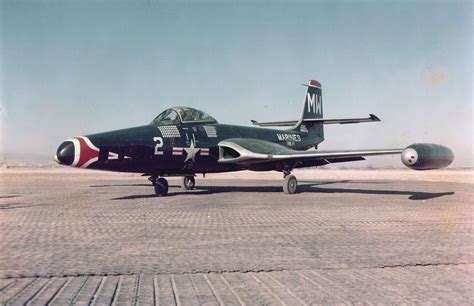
{"x":427,"y":156}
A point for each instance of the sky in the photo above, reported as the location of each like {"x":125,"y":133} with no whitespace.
{"x":71,"y":68}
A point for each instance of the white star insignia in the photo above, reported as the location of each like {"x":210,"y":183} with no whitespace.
{"x":191,"y":152}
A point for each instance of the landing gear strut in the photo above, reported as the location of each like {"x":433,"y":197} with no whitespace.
{"x":290,"y":185}
{"x":188,"y":182}
{"x":161,"y":186}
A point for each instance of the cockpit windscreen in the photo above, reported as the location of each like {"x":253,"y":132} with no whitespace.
{"x":176,"y":115}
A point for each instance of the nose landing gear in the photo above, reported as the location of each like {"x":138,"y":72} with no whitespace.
{"x":160,"y":185}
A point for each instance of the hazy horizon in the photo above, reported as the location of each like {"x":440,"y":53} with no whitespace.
{"x":71,"y":68}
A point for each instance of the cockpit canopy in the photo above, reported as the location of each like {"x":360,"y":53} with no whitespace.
{"x":177,"y":115}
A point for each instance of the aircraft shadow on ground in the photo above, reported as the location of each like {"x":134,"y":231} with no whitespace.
{"x":9,"y":196}
{"x":120,"y":185}
{"x":302,"y":188}
{"x":128,"y":185}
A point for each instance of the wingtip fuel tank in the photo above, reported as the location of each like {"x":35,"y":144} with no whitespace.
{"x":427,"y":156}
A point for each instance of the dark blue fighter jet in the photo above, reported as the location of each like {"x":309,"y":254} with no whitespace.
{"x":182,"y":141}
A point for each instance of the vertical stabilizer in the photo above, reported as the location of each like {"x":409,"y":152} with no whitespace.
{"x":313,"y":103}
{"x":312,"y":109}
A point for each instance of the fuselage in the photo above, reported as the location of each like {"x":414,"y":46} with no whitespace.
{"x":169,"y":149}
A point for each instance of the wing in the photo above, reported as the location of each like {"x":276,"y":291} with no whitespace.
{"x":244,"y":151}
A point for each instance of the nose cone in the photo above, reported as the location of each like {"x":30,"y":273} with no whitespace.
{"x":65,"y":153}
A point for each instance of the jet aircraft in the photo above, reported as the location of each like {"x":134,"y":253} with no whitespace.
{"x":182,"y":141}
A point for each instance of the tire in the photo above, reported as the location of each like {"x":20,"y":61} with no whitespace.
{"x":161,"y":187}
{"x":291,"y":185}
{"x":188,"y":182}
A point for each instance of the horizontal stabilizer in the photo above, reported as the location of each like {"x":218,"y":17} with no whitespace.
{"x":372,"y":118}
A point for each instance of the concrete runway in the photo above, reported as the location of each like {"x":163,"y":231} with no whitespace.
{"x":105,"y":239}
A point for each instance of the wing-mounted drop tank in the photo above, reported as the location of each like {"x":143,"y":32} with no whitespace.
{"x":427,"y":156}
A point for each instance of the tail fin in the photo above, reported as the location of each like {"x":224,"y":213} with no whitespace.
{"x":313,"y":109}
{"x":313,"y":102}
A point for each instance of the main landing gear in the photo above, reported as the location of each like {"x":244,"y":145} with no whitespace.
{"x":290,"y":185}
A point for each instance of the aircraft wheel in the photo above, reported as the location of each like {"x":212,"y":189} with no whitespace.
{"x":188,"y":182}
{"x":290,"y":185}
{"x":161,"y":187}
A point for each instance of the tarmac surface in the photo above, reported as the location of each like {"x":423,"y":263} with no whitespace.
{"x":105,"y":239}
